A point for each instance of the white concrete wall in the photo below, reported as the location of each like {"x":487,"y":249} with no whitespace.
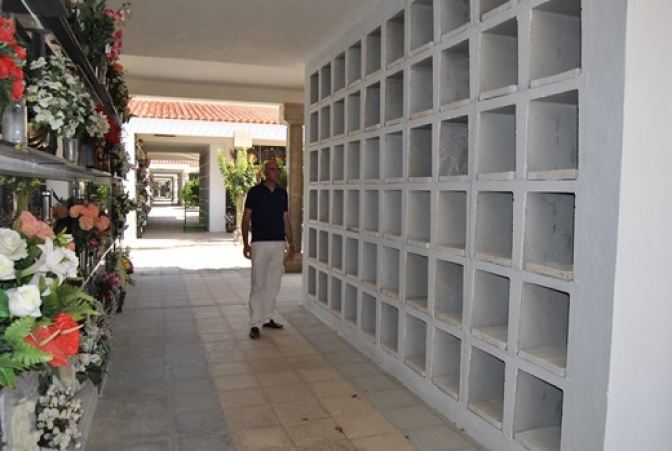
{"x":217,"y":190}
{"x":640,"y":392}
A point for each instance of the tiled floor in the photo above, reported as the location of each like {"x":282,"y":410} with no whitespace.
{"x":186,"y":377}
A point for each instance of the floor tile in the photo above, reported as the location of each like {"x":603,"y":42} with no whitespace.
{"x":387,"y":442}
{"x":250,"y":417}
{"x":313,"y":431}
{"x":358,"y":425}
{"x":262,"y":438}
{"x":298,"y":412}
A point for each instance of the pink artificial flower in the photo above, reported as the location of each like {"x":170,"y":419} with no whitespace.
{"x":43,"y":231}
{"x":92,"y":211}
{"x":71,"y":246}
{"x":59,"y":211}
{"x":76,"y":210}
{"x":93,"y":242}
{"x":103,"y":223}
{"x":85,"y":223}
{"x":26,"y":223}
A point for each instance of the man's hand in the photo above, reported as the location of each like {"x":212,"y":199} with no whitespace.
{"x":290,"y":253}
{"x":247,"y":251}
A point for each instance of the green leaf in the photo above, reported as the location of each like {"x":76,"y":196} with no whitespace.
{"x":18,"y":330}
{"x":6,"y":377}
{"x":4,"y":304}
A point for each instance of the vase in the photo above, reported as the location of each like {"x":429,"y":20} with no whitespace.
{"x":101,"y":74}
{"x":15,"y":122}
{"x":87,"y":155}
{"x":71,"y":148}
{"x":42,"y":139}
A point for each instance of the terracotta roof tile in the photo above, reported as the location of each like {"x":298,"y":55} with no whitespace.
{"x":203,"y":111}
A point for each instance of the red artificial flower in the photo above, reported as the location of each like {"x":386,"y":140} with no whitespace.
{"x":61,"y":339}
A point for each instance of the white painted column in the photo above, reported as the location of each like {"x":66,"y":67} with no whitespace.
{"x":128,"y":138}
{"x":216,"y":188}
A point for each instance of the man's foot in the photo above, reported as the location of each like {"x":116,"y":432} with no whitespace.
{"x":273,"y":325}
{"x":254,"y":333}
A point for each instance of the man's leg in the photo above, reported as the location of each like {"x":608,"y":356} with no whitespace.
{"x":260,"y":266}
{"x":274,"y":273}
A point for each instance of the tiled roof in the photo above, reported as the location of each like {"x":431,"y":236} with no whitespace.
{"x":204,"y":111}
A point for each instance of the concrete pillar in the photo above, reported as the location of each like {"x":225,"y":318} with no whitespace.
{"x":292,"y":114}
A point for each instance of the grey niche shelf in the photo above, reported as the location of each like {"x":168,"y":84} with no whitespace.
{"x":312,"y":282}
{"x":371,"y":211}
{"x":389,"y":272}
{"x":314,"y":127}
{"x":350,"y":301}
{"x":370,"y":265}
{"x":323,"y":288}
{"x":394,"y":97}
{"x":337,"y":218}
{"x":486,"y":387}
{"x":499,"y":60}
{"x":336,"y":296}
{"x":324,"y":206}
{"x":446,"y":364}
{"x":312,"y":244}
{"x":372,"y":106}
{"x":352,"y":210}
{"x":537,"y":418}
{"x":371,"y":159}
{"x":452,"y":221}
{"x":325,"y":165}
{"x":323,"y":247}
{"x":553,"y":137}
{"x":354,"y":62}
{"x":490,"y":309}
{"x":373,"y":54}
{"x":354,"y":116}
{"x":422,"y":88}
{"x":395,"y":38}
{"x":544,"y":324}
{"x":455,"y":79}
{"x":494,"y":227}
{"x":448,"y":293}
{"x":417,"y":281}
{"x":455,"y":16}
{"x":422,"y":24}
{"x":325,"y":123}
{"x":336,"y":254}
{"x":369,"y":317}
{"x":420,"y":153}
{"x":497,"y":144}
{"x":314,"y":88}
{"x":314,"y":174}
{"x":389,"y":328}
{"x":419,"y":218}
{"x":338,"y":164}
{"x":490,"y":8}
{"x":549,"y":234}
{"x":392,"y":221}
{"x":339,"y":72}
{"x":393,"y":156}
{"x":312,"y":202}
{"x":555,"y":44}
{"x":415,"y":344}
{"x":354,"y":162}
{"x":352,"y":258}
{"x":325,"y":81}
{"x":339,"y":118}
{"x":454,"y":149}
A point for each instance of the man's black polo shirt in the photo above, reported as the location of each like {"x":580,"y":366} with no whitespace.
{"x":268,"y":209}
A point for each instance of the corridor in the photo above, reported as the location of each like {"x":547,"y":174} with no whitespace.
{"x":184,"y":375}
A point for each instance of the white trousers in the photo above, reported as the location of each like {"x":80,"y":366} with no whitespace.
{"x":267,"y":268}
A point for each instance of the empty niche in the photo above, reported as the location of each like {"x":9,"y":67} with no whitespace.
{"x":371,"y":210}
{"x":451,"y":231}
{"x":389,"y":328}
{"x":352,"y":258}
{"x":455,"y":74}
{"x":324,"y":206}
{"x":394,"y":39}
{"x":336,"y":296}
{"x":419,"y":218}
{"x":323,"y":249}
{"x":339,"y":72}
{"x":494,"y":227}
{"x":314,"y":127}
{"x":312,"y":244}
{"x":555,"y":47}
{"x":394,"y":156}
{"x":354,"y":62}
{"x":497,"y":144}
{"x":448,"y":293}
{"x":394,"y":97}
{"x":422,"y":88}
{"x":499,"y":60}
{"x":337,"y":252}
{"x":537,"y":418}
{"x":372,"y":106}
{"x":417,"y":281}
{"x":325,"y":165}
{"x":314,"y":166}
{"x":454,"y":149}
{"x":339,"y":118}
{"x":370,"y":265}
{"x":389,"y":272}
{"x":392,"y":214}
{"x":354,"y":161}
{"x":415,"y":344}
{"x":322,"y":288}
{"x":369,"y":316}
{"x":354,"y":112}
{"x":325,"y":81}
{"x":352,"y":210}
{"x":447,"y":352}
{"x":552,"y":150}
{"x":490,"y":309}
{"x":325,"y":123}
{"x":350,"y":298}
{"x":312,"y":201}
{"x":314,"y":88}
{"x":338,"y":164}
{"x":337,"y":208}
{"x":420,"y":153}
{"x":491,"y":8}
{"x":422,"y":23}
{"x":544,"y":322}
{"x":312,"y":282}
{"x":372,"y":159}
{"x":549,"y":234}
{"x":455,"y":15}
{"x":486,"y":386}
{"x":373,"y":52}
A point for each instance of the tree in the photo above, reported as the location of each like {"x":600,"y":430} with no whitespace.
{"x":239,"y":176}
{"x":190,"y":192}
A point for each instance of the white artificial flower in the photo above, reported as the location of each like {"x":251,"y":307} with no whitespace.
{"x":12,"y":245}
{"x":6,"y":268}
{"x":59,"y":261}
{"x":25,"y":301}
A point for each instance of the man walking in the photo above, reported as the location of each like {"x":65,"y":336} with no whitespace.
{"x":266,"y":206}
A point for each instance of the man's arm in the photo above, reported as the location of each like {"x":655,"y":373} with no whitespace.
{"x":288,"y":235}
{"x":247,"y":250}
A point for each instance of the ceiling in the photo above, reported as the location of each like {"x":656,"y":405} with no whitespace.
{"x":242,"y":50}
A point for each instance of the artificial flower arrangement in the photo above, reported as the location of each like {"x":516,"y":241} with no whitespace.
{"x":122,"y":205}
{"x":121,"y":161}
{"x":12,"y":60}
{"x":95,"y":346}
{"x":58,"y":413}
{"x":39,"y":310}
{"x":116,"y":85}
{"x":89,"y":227}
